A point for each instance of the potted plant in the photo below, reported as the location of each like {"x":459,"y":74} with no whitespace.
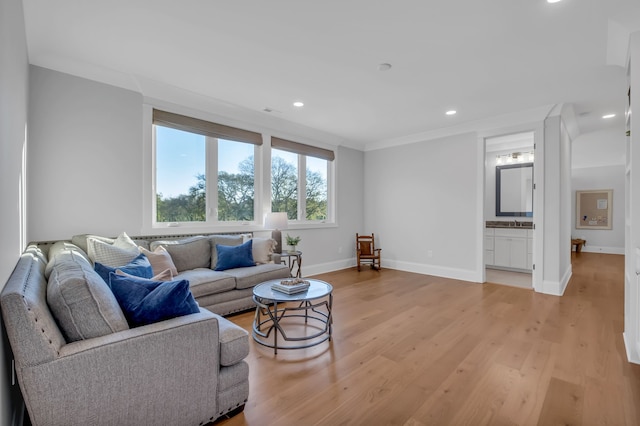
{"x":292,"y":242}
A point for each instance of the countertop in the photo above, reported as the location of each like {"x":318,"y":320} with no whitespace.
{"x":516,"y":224}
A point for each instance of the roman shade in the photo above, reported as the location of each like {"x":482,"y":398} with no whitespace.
{"x":300,"y":148}
{"x":205,"y":128}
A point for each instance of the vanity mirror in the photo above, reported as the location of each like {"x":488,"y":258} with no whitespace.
{"x":514,"y":190}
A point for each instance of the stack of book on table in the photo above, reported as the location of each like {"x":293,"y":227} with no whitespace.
{"x":291,"y":286}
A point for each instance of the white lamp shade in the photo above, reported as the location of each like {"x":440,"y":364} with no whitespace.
{"x":276,"y":220}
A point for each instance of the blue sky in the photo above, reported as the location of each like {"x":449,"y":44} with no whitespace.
{"x":180,"y":156}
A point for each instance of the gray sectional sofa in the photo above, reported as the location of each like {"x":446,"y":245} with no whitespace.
{"x":221,"y":292}
{"x":78,"y":362}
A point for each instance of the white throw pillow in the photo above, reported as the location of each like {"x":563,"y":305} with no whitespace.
{"x":162,"y":276}
{"x":122,"y":251}
{"x":262,"y":249}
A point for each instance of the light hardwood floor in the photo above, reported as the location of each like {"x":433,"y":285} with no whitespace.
{"x":412,"y":349}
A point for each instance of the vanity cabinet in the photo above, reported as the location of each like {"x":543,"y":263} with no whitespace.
{"x":510,"y":248}
{"x":488,"y":246}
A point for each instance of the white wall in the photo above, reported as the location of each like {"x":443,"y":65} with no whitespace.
{"x":598,"y":149}
{"x":14,"y":79}
{"x":598,"y":162}
{"x":86,"y":170}
{"x":607,"y":177}
{"x":557,"y":207}
{"x":421,"y":199}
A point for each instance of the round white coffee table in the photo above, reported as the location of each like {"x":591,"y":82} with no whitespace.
{"x":281,"y":314}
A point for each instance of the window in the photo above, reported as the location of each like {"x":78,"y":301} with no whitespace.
{"x":300,"y":180}
{"x":205,"y":172}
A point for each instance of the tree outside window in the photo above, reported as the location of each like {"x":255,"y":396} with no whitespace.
{"x":287,"y":182}
{"x":181,"y":180}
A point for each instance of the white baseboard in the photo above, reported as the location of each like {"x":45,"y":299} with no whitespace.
{"x":557,"y":288}
{"x":323,"y":268}
{"x":604,"y":250}
{"x":418,"y":268}
{"x":438,"y":271}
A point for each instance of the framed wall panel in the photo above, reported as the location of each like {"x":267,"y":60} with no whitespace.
{"x":593,"y":209}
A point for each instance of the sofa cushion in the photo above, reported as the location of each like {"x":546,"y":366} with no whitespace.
{"x":145,"y":301}
{"x":225,"y":240}
{"x":139,"y":266}
{"x":249,"y":277}
{"x":119,"y":253}
{"x":81,"y":301}
{"x":234,"y":256}
{"x":58,"y":248}
{"x":189,"y":253}
{"x":204,"y":281}
{"x":160,"y":260}
{"x":234,"y":342}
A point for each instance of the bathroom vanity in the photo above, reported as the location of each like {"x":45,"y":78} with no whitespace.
{"x":509,"y":245}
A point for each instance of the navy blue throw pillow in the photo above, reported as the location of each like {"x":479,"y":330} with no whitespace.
{"x":139,"y":266}
{"x":145,"y":301}
{"x":235,"y":256}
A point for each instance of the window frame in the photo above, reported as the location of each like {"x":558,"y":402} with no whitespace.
{"x":304,"y":151}
{"x":262,"y":184}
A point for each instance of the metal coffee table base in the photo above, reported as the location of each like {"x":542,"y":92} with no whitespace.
{"x":270,"y":314}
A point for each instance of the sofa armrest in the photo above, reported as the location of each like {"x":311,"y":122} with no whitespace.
{"x":146,"y":375}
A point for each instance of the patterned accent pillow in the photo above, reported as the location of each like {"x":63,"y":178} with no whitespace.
{"x":121,"y":252}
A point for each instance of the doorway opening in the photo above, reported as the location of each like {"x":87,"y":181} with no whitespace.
{"x":509,"y":209}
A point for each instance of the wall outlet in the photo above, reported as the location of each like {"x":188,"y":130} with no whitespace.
{"x":340,"y":250}
{"x":429,"y":253}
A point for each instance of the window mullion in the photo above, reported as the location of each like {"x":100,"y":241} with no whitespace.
{"x":211,"y":150}
{"x":302,"y":187}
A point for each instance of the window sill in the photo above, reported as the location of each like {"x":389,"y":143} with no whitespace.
{"x":164,"y":229}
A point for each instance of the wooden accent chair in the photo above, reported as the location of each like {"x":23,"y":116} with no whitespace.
{"x":366,"y":251}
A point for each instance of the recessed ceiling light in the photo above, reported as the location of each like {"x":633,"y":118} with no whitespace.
{"x":298,"y":104}
{"x":384,"y":67}
{"x":451,"y":112}
{"x":553,"y":1}
{"x":608,"y":116}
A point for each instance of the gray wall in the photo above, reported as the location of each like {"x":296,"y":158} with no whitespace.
{"x":421,"y":200}
{"x":86,"y":173}
{"x":85,"y":157}
{"x":14,"y":76}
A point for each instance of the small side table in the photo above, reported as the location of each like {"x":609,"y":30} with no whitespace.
{"x":292,"y":260}
{"x":578,"y":242}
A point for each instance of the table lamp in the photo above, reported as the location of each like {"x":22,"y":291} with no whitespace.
{"x":276,"y":221}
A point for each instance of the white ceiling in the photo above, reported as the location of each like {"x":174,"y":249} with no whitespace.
{"x":481,"y":58}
